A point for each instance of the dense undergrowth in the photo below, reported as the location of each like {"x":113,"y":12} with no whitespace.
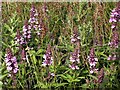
{"x":60,"y":45}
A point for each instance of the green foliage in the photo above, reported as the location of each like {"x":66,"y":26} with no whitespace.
{"x":60,"y":21}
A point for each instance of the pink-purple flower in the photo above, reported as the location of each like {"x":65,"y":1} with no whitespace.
{"x":114,"y":40}
{"x":33,"y":21}
{"x":74,"y":60}
{"x":114,"y":19}
{"x":75,"y":37}
{"x":92,"y":61}
{"x":26,"y":31}
{"x":23,"y":55}
{"x":115,"y":15}
{"x":48,"y":59}
{"x":112,"y":57}
{"x":33,"y":15}
{"x":19,"y":39}
{"x":11,"y":62}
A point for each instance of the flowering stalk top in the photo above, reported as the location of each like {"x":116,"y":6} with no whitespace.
{"x":11,"y":62}
{"x":115,"y":16}
{"x":100,"y":76}
{"x":92,"y":60}
{"x":114,"y":19}
{"x":74,"y":59}
{"x":75,"y":37}
{"x":113,"y":56}
{"x":48,"y":59}
{"x":23,"y":54}
{"x":26,"y":31}
{"x":44,"y":8}
{"x":34,"y":20}
{"x":115,"y":40}
{"x":33,"y":15}
{"x":19,"y":39}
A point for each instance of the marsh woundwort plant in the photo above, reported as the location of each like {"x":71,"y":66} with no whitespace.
{"x":92,"y":61}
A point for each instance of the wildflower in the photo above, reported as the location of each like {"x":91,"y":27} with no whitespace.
{"x":100,"y":76}
{"x":49,"y":76}
{"x":33,"y":15}
{"x":75,"y":37}
{"x":115,"y":17}
{"x":52,"y":74}
{"x":26,"y":31}
{"x":44,"y":9}
{"x":34,"y":20}
{"x":23,"y":53}
{"x":74,"y":59}
{"x":112,"y":57}
{"x":73,"y":66}
{"x":11,"y":62}
{"x":48,"y":59}
{"x":19,"y":39}
{"x":92,"y":61}
{"x":115,"y":40}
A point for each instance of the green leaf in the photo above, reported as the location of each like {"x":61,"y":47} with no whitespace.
{"x":84,"y":86}
{"x":23,"y":71}
{"x":34,"y":59}
{"x":81,"y":77}
{"x":69,"y":76}
{"x":104,"y":55}
{"x":36,"y":75}
{"x":58,"y":84}
{"x":93,"y":77}
{"x":1,"y":85}
{"x":3,"y":76}
{"x":7,"y":26}
{"x":63,"y":76}
{"x":75,"y":80}
{"x":32,"y":52}
{"x":41,"y":85}
{"x":40,"y":51}
{"x":20,"y":83}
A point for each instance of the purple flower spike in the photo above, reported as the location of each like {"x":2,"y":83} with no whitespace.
{"x":92,"y":61}
{"x":23,"y":55}
{"x":74,"y":66}
{"x":115,"y":17}
{"x":74,"y":59}
{"x":11,"y":62}
{"x":27,"y":31}
{"x":44,"y":9}
{"x":112,"y":57}
{"x":19,"y":39}
{"x":33,"y":15}
{"x":101,"y":75}
{"x":115,"y":40}
{"x":75,"y":37}
{"x":48,"y":59}
{"x":33,"y":21}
